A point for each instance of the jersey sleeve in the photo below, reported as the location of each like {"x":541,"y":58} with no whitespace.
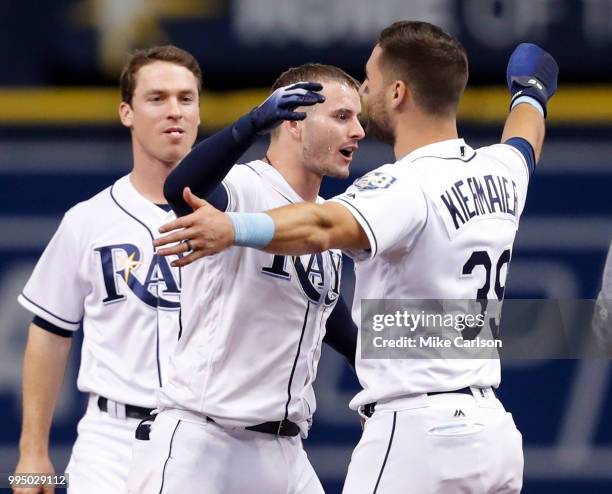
{"x":56,"y":291}
{"x":390,"y":207}
{"x":517,"y":156}
{"x":526,"y":149}
{"x":51,"y":328}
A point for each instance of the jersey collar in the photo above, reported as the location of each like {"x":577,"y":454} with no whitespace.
{"x":276,"y":180}
{"x":450,"y":149}
{"x":130,"y":200}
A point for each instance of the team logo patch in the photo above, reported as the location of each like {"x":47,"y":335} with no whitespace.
{"x":374,"y":180}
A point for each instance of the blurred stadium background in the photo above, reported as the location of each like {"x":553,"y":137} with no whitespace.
{"x":60,"y":142}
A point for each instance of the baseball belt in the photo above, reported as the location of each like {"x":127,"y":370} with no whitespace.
{"x":368,"y":410}
{"x":131,"y":411}
{"x":282,"y":428}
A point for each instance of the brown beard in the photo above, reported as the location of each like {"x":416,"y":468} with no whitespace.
{"x":378,"y":125}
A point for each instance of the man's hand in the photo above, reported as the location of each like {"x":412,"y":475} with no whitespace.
{"x":204,"y":232}
{"x":44,"y":364}
{"x":35,"y":464}
{"x":282,"y":103}
{"x":532,"y":72}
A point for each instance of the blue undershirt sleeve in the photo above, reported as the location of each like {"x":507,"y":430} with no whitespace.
{"x":206,"y":166}
{"x":52,"y":328}
{"x":341,"y":332}
{"x":526,"y":149}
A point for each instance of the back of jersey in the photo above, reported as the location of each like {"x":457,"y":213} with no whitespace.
{"x":441,"y":223}
{"x":474,"y":205}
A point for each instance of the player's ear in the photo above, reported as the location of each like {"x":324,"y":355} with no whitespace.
{"x":399,"y":94}
{"x":126,"y":114}
{"x":294,"y":128}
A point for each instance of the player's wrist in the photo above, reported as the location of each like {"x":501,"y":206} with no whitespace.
{"x":531,"y":95}
{"x":244,"y":129}
{"x":31,"y":449}
{"x":252,"y":229}
{"x":530,"y":101}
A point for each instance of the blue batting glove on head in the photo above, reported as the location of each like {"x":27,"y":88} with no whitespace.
{"x":279,"y":106}
{"x":282,"y":103}
{"x":532,"y":72}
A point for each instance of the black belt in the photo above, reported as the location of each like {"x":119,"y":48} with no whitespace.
{"x":465,"y":391}
{"x":131,"y":411}
{"x":368,"y":410}
{"x":283,"y":428}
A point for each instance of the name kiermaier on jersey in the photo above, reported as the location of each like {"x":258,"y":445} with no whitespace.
{"x":477,"y":196}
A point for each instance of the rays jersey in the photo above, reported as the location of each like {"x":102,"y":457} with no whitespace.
{"x":252,"y":322}
{"x":441,"y":223}
{"x":99,"y":270}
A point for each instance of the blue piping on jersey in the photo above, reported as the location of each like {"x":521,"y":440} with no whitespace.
{"x":49,"y":312}
{"x":52,"y":328}
{"x":297,"y":355}
{"x":446,"y":158}
{"x":275,"y":189}
{"x":130,"y":214}
{"x":253,"y":169}
{"x":375,"y":251}
{"x":159,"y":379}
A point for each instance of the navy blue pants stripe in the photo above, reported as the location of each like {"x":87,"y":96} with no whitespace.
{"x":382,"y":469}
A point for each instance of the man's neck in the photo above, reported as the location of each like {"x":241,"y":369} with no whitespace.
{"x":148,"y":177}
{"x":302,"y":180}
{"x":417,"y":132}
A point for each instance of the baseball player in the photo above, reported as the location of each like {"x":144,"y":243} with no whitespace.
{"x":100,"y":271}
{"x":602,"y":318}
{"x":239,"y":395}
{"x":437,"y":224}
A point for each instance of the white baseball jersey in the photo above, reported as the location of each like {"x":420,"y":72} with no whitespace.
{"x":252,"y":322}
{"x":100,"y":270}
{"x":441,"y":222}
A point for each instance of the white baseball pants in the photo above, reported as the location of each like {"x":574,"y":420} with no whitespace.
{"x":444,"y":444}
{"x":191,"y":456}
{"x":101,"y":455}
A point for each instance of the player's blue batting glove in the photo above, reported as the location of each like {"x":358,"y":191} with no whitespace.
{"x":532,"y":72}
{"x":278,"y":107}
{"x":282,"y":103}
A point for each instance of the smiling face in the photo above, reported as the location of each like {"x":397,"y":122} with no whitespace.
{"x":330,"y":133}
{"x":164,"y":113}
{"x":372,"y":92}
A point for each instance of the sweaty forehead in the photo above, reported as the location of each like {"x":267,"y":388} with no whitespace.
{"x":164,"y":76}
{"x":340,"y":95}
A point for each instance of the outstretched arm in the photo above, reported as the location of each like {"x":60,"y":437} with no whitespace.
{"x":532,"y":79}
{"x":291,"y":230}
{"x":300,"y":228}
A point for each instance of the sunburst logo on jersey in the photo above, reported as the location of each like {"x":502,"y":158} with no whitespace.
{"x":128,"y":265}
{"x":374,"y":180}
